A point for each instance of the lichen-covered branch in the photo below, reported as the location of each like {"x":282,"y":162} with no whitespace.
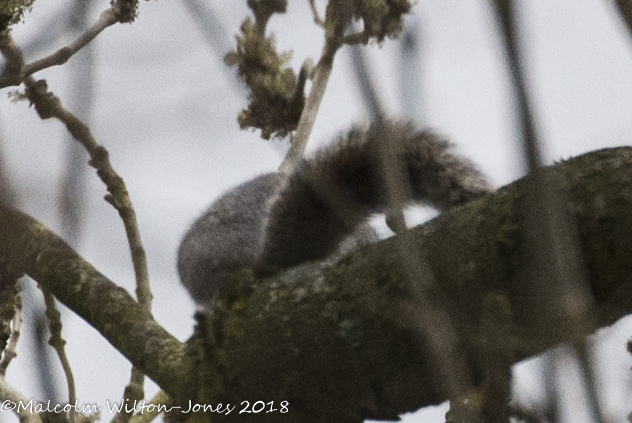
{"x":12,"y":12}
{"x":161,"y":398}
{"x":33,"y":249}
{"x":317,"y":19}
{"x":8,"y":393}
{"x":16,"y":71}
{"x":10,"y":351}
{"x":10,"y":314}
{"x":49,"y":106}
{"x":61,"y":56}
{"x":338,"y":342}
{"x":59,"y":345}
{"x":384,"y":19}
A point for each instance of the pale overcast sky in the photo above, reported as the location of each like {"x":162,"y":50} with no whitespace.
{"x":166,"y":110}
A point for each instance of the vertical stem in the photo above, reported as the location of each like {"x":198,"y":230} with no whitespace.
{"x":558,"y":294}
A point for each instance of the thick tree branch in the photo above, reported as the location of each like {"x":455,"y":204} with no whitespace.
{"x":337,"y":342}
{"x":30,"y":247}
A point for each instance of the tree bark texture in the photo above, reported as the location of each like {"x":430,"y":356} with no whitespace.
{"x":340,"y":342}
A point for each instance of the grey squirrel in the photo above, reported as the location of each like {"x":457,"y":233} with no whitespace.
{"x":283,"y":220}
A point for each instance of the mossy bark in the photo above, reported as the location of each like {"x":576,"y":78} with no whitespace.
{"x":337,"y":342}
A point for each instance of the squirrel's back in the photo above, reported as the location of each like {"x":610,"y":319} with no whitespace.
{"x":229,"y":235}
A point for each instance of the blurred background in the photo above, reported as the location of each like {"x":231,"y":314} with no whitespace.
{"x":158,"y":96}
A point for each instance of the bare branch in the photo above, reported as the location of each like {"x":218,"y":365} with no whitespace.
{"x":29,"y":246}
{"x":409,"y":71}
{"x":71,"y":195}
{"x":134,"y":392}
{"x":47,"y":106}
{"x":57,"y":342}
{"x":7,"y":392}
{"x":557,"y":284}
{"x":317,"y":19}
{"x":367,"y":88}
{"x":11,"y":75}
{"x":53,"y":29}
{"x":333,"y":41}
{"x":16,"y":71}
{"x":432,"y":313}
{"x":334,"y":337}
{"x":161,"y":398}
{"x":10,"y":352}
{"x":108,"y":18}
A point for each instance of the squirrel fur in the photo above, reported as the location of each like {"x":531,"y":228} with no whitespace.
{"x":283,"y":220}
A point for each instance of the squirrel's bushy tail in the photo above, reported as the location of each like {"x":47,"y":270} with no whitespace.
{"x":329,"y":195}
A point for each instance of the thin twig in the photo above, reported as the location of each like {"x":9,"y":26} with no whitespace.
{"x":159,"y":400}
{"x":430,"y":313}
{"x":47,"y":106}
{"x":41,"y":352}
{"x":133,"y":393}
{"x":556,"y":285}
{"x":432,"y":317}
{"x":57,"y":342}
{"x":15,"y":71}
{"x":9,"y":352}
{"x":317,"y":19}
{"x":108,"y":18}
{"x":395,"y":218}
{"x":550,"y":372}
{"x":118,"y":317}
{"x":584,"y":350}
{"x":8,"y":393}
{"x":310,"y":111}
{"x":333,"y":42}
